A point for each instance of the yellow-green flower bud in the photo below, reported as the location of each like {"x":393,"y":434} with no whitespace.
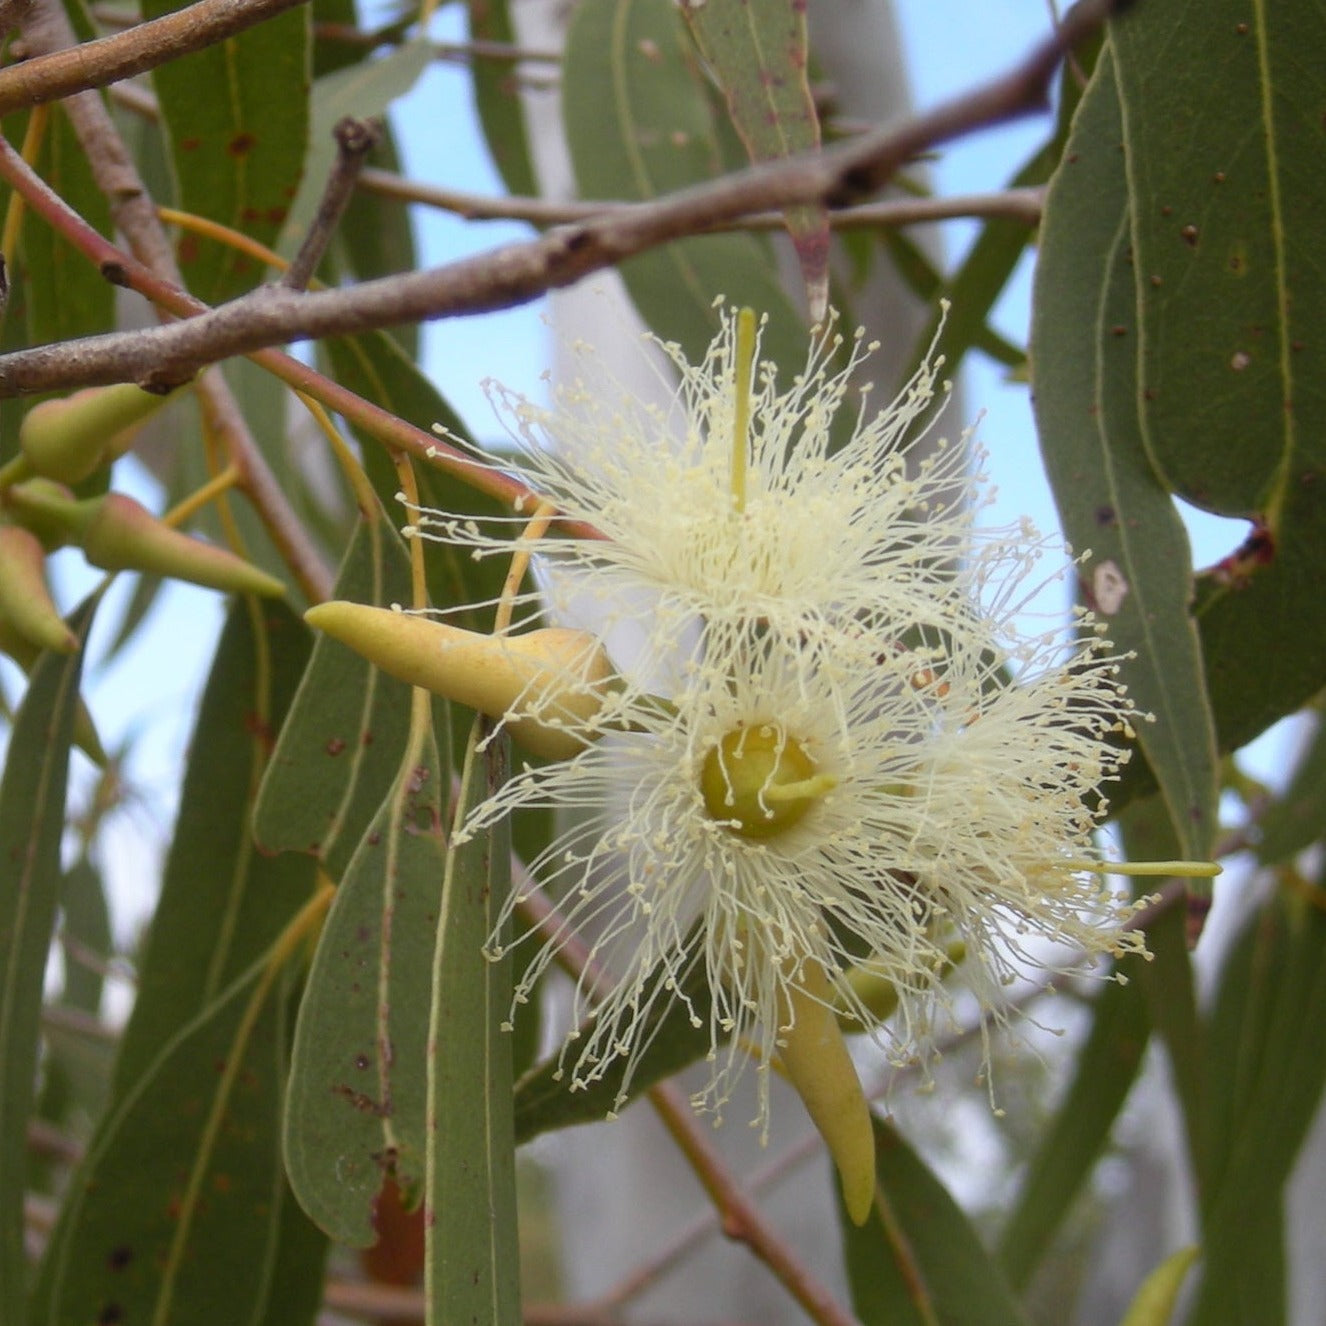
{"x":815,"y":1059}
{"x":120,"y":534}
{"x":546,"y":685}
{"x":25,"y":599}
{"x":70,"y":439}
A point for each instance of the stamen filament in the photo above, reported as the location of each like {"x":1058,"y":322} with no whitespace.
{"x":1179,"y":869}
{"x":743,"y":372}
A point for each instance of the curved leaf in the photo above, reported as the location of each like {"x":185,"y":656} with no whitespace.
{"x":639,"y":124}
{"x":357,"y":1088}
{"x":238,"y":148}
{"x":917,"y":1261}
{"x":472,"y":1271}
{"x":1139,"y":576}
{"x":1221,"y":108}
{"x":32,"y":802}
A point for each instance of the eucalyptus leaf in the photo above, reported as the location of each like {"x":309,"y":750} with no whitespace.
{"x":472,"y":1268}
{"x":1138,"y":577}
{"x":356,"y":1102}
{"x":917,"y":1261}
{"x":32,"y":802}
{"x":237,"y":154}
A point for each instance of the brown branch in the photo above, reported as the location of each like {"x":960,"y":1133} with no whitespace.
{"x":122,"y":268}
{"x":355,"y":139}
{"x":1023,"y":204}
{"x":839,"y":178}
{"x":134,"y":214}
{"x":60,"y":73}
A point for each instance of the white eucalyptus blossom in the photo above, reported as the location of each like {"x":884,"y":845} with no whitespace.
{"x":785,"y":529}
{"x":789,"y":806}
{"x":857,"y":761}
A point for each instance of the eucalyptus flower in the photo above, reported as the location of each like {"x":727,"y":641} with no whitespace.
{"x":783,"y":528}
{"x":835,"y":750}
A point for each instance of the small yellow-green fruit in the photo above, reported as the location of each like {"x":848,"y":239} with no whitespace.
{"x":49,"y":509}
{"x":121,"y":534}
{"x":25,"y":599}
{"x":70,"y":439}
{"x":815,"y":1059}
{"x":547,"y":685}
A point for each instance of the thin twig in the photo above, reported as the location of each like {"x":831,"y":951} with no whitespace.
{"x":355,"y":139}
{"x":123,"y":269}
{"x":56,"y":74}
{"x":1022,"y":204}
{"x":839,"y":177}
{"x":134,"y":214}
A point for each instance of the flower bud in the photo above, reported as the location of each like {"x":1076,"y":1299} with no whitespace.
{"x":548,"y":685}
{"x":120,"y":534}
{"x":72,"y":438}
{"x":815,"y":1059}
{"x":25,"y":600}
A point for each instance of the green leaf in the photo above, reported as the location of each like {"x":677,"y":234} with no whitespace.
{"x":1268,"y":1029}
{"x":67,"y":296}
{"x":1297,"y":818}
{"x":340,"y":747}
{"x":917,"y":1261}
{"x":238,"y":121}
{"x":757,"y":51}
{"x":1223,"y":134}
{"x":356,"y":1106}
{"x":638,"y":124}
{"x":32,"y":808}
{"x":1074,"y":1139}
{"x":180,"y":1199}
{"x":176,"y":1210}
{"x":472,"y":1271}
{"x":222,"y":900}
{"x":497,"y":98}
{"x":1138,"y":578}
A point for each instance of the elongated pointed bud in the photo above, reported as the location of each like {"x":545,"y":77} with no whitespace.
{"x":1154,"y":1304}
{"x":818,"y":1065}
{"x":70,"y":439}
{"x":547,"y":685}
{"x":123,"y":535}
{"x":25,"y":600}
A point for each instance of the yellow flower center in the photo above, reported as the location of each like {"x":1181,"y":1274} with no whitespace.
{"x":759,"y":782}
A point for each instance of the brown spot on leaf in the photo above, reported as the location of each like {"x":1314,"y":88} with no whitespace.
{"x":119,"y":1257}
{"x":241,"y":144}
{"x":1189,"y":235}
{"x":335,"y":746}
